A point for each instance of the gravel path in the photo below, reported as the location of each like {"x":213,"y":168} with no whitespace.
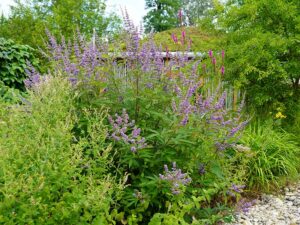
{"x":274,"y":210}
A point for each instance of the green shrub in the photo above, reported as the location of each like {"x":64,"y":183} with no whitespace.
{"x":161,"y":113}
{"x":275,"y":157}
{"x":9,"y":94}
{"x":263,"y":51}
{"x":47,"y":175}
{"x":14,"y":59}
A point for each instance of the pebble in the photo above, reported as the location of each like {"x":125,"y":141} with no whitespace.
{"x":273,"y":210}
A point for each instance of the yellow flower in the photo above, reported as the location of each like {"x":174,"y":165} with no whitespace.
{"x":279,"y":115}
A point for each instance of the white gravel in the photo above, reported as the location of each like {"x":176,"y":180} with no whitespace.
{"x":273,"y":210}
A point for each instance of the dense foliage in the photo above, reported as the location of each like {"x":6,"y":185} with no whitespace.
{"x":14,"y":61}
{"x":135,"y":133}
{"x":173,"y":130}
{"x":195,"y":10}
{"x":28,"y":20}
{"x":263,"y":51}
{"x":47,"y":175}
{"x":162,"y":15}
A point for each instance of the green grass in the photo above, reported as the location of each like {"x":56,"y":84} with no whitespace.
{"x":276,"y":157}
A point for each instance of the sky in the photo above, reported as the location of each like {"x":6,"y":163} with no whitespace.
{"x":4,"y":6}
{"x":135,"y":8}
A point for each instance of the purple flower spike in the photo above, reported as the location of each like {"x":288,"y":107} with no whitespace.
{"x":210,"y":53}
{"x":214,"y":61}
{"x":222,"y":70}
{"x":175,"y":178}
{"x":183,"y":35}
{"x":136,"y":132}
{"x":184,"y":121}
{"x":121,"y":125}
{"x":237,"y":188}
{"x":133,"y":149}
{"x":166,"y":168}
{"x":174,"y":38}
{"x":244,"y":205}
{"x":223,"y":54}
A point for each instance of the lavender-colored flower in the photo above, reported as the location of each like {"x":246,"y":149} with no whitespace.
{"x":237,"y":188}
{"x":210,"y":53}
{"x":192,"y":89}
{"x":34,"y":77}
{"x":226,"y":122}
{"x":220,"y":104}
{"x":121,"y":126}
{"x":244,"y":205}
{"x":149,"y":85}
{"x":133,"y":149}
{"x":166,"y":168}
{"x":178,"y":91}
{"x":175,"y":178}
{"x":221,"y":146}
{"x":238,"y":128}
{"x":216,"y":117}
{"x":136,"y":132}
{"x":185,"y":119}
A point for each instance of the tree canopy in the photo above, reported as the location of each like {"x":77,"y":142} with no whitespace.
{"x":263,"y":53}
{"x":162,"y":14}
{"x":28,"y":20}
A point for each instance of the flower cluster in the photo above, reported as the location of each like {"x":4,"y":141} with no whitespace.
{"x":79,"y":59}
{"x":34,"y":77}
{"x":244,"y":205}
{"x":235,"y":189}
{"x":279,"y":115}
{"x":176,"y":178}
{"x":210,"y":108}
{"x":121,"y":126}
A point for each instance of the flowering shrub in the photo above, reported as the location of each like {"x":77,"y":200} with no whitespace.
{"x":120,"y":127}
{"x":175,"y":178}
{"x":166,"y":109}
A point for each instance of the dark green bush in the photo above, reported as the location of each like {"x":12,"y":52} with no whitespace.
{"x":14,"y":60}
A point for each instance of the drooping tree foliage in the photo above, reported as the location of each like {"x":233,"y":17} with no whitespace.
{"x":162,"y":14}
